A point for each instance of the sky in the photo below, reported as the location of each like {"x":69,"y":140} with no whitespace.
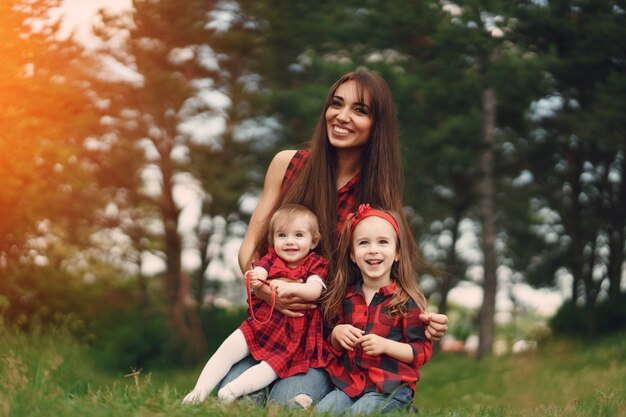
{"x":78,"y":14}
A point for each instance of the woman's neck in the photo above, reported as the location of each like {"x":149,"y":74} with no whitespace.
{"x":348,"y":165}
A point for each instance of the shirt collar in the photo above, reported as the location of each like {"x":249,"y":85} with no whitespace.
{"x":349,"y":185}
{"x":387,"y":290}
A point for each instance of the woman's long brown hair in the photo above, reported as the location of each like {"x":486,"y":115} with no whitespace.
{"x":380,"y":182}
{"x":403,"y":274}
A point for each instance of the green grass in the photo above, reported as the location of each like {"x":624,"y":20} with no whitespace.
{"x":49,"y":374}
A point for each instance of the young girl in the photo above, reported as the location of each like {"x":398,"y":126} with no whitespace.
{"x":374,"y":304}
{"x":285,"y":346}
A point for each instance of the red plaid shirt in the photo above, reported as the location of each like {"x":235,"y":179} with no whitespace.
{"x":346,"y":195}
{"x":355,"y":372}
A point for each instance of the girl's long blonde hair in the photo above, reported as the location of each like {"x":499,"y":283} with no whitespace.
{"x":403,"y":273}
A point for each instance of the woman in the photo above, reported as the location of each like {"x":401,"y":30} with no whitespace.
{"x":354,"y":158}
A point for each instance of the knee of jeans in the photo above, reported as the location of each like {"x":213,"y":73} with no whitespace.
{"x":303,"y":400}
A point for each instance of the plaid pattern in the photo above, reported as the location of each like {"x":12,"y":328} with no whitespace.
{"x":346,"y":195}
{"x":289,"y":345}
{"x":355,"y":372}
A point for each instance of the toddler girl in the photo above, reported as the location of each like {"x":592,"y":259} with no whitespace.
{"x":285,"y":346}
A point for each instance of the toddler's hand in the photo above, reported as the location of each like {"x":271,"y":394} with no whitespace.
{"x":283,"y":289}
{"x":254,"y":279}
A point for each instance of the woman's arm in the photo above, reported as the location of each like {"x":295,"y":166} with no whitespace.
{"x":260,"y":216}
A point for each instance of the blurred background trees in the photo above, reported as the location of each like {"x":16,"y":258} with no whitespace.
{"x":128,"y":170}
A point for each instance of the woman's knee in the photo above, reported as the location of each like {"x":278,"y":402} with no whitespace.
{"x":301,"y":390}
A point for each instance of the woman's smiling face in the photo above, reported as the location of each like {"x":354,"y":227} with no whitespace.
{"x":348,"y":120}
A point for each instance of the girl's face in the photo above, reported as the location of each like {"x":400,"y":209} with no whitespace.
{"x":348,"y":121}
{"x":374,"y":250}
{"x":293,"y":240}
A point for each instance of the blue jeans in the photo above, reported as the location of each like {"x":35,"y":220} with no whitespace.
{"x":315,"y":384}
{"x":337,"y":402}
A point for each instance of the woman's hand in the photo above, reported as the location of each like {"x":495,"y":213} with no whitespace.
{"x":285,"y":304}
{"x":436,"y":325}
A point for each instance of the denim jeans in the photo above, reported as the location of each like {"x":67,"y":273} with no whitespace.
{"x":337,"y":402}
{"x":315,"y":384}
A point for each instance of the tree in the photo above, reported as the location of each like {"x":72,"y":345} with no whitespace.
{"x":181,"y":85}
{"x":572,"y":153}
{"x":47,"y":208}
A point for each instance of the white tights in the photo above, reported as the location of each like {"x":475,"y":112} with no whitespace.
{"x":231,"y":351}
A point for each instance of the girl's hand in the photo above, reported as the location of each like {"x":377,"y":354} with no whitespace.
{"x":347,"y":336}
{"x":373,"y":344}
{"x":436,"y":325}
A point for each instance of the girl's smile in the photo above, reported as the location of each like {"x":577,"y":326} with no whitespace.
{"x":293,"y":241}
{"x":374,"y":250}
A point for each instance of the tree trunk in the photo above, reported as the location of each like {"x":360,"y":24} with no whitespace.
{"x":451,"y":276}
{"x":203,"y":236}
{"x":487,"y":218}
{"x":617,"y":235}
{"x":182,"y":305}
{"x":591,"y":291}
{"x":572,"y":214}
{"x":170,"y":213}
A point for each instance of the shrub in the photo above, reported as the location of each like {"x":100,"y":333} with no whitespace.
{"x":610,"y":317}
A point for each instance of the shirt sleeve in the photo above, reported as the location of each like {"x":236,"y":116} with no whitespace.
{"x":319,"y":267}
{"x":341,"y":320}
{"x":316,"y":278}
{"x":414,"y":331}
{"x":265,"y":262}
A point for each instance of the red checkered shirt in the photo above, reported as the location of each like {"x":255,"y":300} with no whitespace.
{"x":355,"y":372}
{"x":346,"y":195}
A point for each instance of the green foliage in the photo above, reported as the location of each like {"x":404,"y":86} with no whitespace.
{"x":218,"y":323}
{"x":566,"y":377}
{"x":126,"y":338}
{"x":572,"y":320}
{"x":49,"y":374}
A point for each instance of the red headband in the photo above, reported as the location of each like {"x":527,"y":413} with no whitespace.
{"x":365,"y":210}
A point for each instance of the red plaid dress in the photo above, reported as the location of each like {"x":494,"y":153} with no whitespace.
{"x":355,"y":372}
{"x":289,"y":345}
{"x":268,"y":341}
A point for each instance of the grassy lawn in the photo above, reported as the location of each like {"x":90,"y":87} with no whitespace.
{"x":48,"y":374}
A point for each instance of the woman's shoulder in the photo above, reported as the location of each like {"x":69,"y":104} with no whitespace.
{"x":280,"y":163}
{"x":283,"y":157}
{"x":289,"y":163}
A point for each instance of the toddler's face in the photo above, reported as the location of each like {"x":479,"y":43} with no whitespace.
{"x":293,"y":240}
